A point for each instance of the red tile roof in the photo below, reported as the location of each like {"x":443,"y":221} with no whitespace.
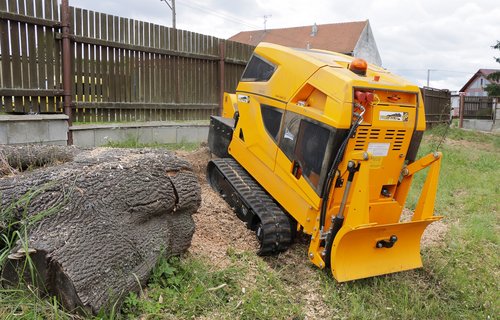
{"x":338,"y":37}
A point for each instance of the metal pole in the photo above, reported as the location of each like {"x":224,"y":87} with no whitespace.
{"x":66,"y":65}
{"x":172,"y":7}
{"x":173,"y":14}
{"x":428,"y":76}
{"x":461,"y":109}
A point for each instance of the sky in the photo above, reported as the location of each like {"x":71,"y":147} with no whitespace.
{"x":451,"y":38}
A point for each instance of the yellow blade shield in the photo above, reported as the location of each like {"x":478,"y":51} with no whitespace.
{"x":355,"y":254}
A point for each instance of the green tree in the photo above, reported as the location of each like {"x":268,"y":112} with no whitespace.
{"x":493,"y":88}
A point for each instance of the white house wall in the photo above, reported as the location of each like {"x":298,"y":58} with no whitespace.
{"x":476,"y":88}
{"x":366,"y":48}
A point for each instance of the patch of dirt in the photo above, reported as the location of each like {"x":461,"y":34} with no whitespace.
{"x":471,"y":145}
{"x":302,"y":279}
{"x":217,"y":227}
{"x":433,"y":234}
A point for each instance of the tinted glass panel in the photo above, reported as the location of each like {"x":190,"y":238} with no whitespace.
{"x":310,"y":149}
{"x":287,"y":143}
{"x":272,"y":120}
{"x":311,"y":145}
{"x":258,"y":70}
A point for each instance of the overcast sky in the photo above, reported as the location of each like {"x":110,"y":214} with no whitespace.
{"x":451,"y":38}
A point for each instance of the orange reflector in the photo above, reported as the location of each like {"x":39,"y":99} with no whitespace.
{"x":358,"y":66}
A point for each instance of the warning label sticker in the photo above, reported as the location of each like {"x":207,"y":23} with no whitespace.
{"x":393,"y":116}
{"x":379,"y":149}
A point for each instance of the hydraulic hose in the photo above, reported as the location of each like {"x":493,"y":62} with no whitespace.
{"x":333,"y":169}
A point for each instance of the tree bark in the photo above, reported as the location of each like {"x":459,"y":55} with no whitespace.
{"x":97,"y":225}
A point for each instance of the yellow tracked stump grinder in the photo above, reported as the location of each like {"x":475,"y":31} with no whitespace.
{"x":323,"y":143}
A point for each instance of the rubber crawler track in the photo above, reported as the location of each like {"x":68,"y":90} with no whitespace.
{"x":274,"y":233}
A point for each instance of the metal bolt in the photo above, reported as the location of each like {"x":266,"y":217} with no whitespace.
{"x":350,"y":164}
{"x":405,"y":172}
{"x":311,"y":255}
{"x":321,"y":264}
{"x":365,"y":156}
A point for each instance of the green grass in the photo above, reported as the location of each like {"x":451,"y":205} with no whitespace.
{"x":136,"y":122}
{"x":189,"y":288}
{"x":133,"y":142}
{"x":459,"y":280}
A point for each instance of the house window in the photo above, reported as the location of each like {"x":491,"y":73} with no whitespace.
{"x":481,"y":82}
{"x":258,"y":70}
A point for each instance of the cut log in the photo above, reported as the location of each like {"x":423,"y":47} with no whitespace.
{"x":97,"y":225}
{"x":34,"y":156}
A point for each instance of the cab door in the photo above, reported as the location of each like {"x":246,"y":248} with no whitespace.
{"x":259,"y":120}
{"x":305,"y":152}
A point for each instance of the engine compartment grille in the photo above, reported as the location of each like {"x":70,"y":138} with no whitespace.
{"x":395,"y":137}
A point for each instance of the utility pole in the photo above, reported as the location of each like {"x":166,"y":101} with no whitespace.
{"x":172,"y":7}
{"x":429,"y":75}
{"x":265,"y":21}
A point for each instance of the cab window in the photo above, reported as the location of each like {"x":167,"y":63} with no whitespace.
{"x":272,"y":120}
{"x":310,"y":149}
{"x":258,"y":70}
{"x":307,"y":143}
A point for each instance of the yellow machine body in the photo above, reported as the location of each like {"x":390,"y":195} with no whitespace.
{"x":293,"y":109}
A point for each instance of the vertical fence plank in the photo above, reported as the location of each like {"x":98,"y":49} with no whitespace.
{"x":6,"y":67}
{"x":103,"y":113}
{"x":93,"y":65}
{"x":57,"y":57}
{"x":50,"y":38}
{"x":15,"y":57}
{"x":41,"y":56}
{"x":111,"y":66}
{"x":32,"y":59}
{"x":24,"y":54}
{"x":79,"y":72}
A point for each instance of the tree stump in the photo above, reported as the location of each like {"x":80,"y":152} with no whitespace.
{"x":98,"y":223}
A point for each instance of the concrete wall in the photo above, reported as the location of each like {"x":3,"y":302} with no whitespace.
{"x":485,"y":125}
{"x":34,"y":129}
{"x":478,"y":124}
{"x":150,"y":132}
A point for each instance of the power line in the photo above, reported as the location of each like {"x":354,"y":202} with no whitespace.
{"x":440,"y":70}
{"x":218,"y":14}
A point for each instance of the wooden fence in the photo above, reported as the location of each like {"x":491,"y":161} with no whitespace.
{"x":437,"y":105}
{"x":30,"y":56}
{"x":123,"y":69}
{"x":479,"y":107}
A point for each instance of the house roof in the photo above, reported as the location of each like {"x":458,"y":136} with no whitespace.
{"x":338,"y":37}
{"x":480,"y":72}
